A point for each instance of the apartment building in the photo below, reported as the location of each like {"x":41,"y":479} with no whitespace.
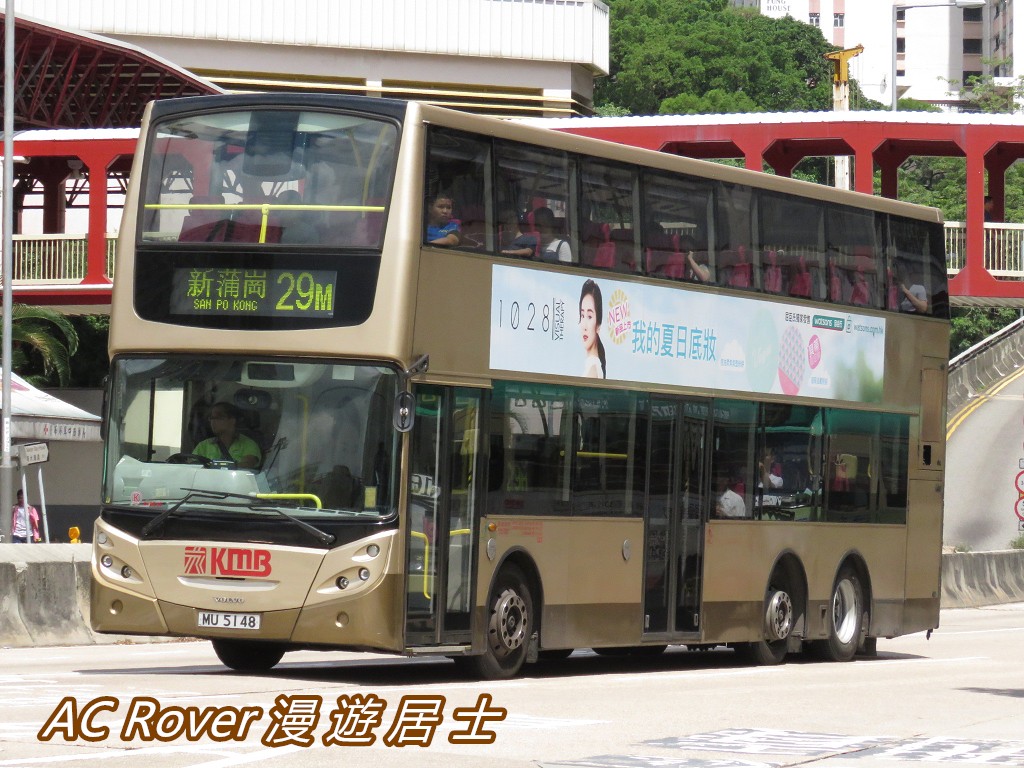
{"x":938,"y":45}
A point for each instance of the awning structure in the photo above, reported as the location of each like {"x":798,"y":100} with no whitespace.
{"x":72,"y":79}
{"x":36,"y":415}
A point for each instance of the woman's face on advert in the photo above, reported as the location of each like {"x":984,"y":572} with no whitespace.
{"x":588,"y":322}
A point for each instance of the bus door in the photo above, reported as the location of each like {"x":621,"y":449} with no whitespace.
{"x":443,"y":512}
{"x":676,"y":498}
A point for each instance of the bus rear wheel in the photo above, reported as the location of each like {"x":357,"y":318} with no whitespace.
{"x":845,"y":619}
{"x":509,"y":627}
{"x":247,"y":655}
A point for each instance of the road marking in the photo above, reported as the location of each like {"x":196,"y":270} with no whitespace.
{"x":110,"y":754}
{"x":959,"y":418}
{"x":762,"y":741}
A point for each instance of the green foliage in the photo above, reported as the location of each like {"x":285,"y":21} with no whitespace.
{"x":913,"y":105}
{"x":705,"y":55}
{"x":715,"y":101}
{"x":971,"y":325}
{"x":983,"y":94}
{"x":91,"y":363}
{"x":1017,"y":543}
{"x":42,"y":343}
{"x":610,"y":110}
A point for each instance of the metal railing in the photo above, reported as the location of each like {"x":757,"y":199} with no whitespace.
{"x":56,"y":259}
{"x":1004,"y":249}
{"x":62,"y":259}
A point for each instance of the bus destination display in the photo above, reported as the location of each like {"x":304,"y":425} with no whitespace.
{"x":254,"y":292}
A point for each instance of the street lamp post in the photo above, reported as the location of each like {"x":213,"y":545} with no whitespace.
{"x":897,"y":7}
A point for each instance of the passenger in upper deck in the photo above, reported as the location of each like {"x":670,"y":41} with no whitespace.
{"x":442,"y":229}
{"x":544,"y":243}
{"x":914,"y":298}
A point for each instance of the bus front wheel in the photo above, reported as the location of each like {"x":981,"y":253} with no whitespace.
{"x":845,"y":620}
{"x":248,"y":656}
{"x":509,"y":627}
{"x":778,"y":624}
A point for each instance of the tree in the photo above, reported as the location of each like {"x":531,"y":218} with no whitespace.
{"x":704,"y":55}
{"x":981,"y":93}
{"x":971,"y":325}
{"x":90,"y":364}
{"x":43,"y":341}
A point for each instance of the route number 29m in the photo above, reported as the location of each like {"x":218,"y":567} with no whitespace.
{"x":303,"y":292}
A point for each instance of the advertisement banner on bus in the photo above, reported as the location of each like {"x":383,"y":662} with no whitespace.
{"x":561,"y":324}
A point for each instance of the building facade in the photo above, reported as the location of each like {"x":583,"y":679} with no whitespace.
{"x":938,"y":46}
{"x":500,"y":57}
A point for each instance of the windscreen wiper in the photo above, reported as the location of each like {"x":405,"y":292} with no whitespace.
{"x":253,"y":503}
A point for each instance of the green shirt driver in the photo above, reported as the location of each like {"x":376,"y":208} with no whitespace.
{"x":240,"y":448}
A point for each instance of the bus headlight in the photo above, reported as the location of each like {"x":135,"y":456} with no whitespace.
{"x":364,"y":574}
{"x":107,"y":561}
{"x":373,"y":550}
{"x":342,"y":582}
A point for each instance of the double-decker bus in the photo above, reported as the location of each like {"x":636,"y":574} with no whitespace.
{"x":390,"y":377}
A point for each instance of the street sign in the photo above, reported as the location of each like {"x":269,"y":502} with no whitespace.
{"x":33,"y":453}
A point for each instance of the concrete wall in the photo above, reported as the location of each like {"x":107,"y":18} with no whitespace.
{"x":973,"y":579}
{"x":988,"y":362}
{"x":44,"y":590}
{"x":44,"y":595}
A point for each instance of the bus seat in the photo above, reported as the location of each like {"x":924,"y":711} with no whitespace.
{"x":530,"y":228}
{"x":473,"y":227}
{"x":625,"y":249}
{"x":590,"y":239}
{"x":339,"y":488}
{"x":742,"y":269}
{"x":892,"y":293}
{"x":835,"y":283}
{"x":860,"y":294}
{"x":670,"y":261}
{"x":864,"y":277}
{"x":772,"y":272}
{"x":801,"y":283}
{"x":204,"y":226}
{"x":604,"y":256}
{"x":370,"y":225}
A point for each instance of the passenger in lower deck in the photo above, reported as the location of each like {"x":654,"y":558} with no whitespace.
{"x":728,"y":503}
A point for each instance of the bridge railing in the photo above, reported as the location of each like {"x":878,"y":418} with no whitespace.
{"x":56,"y":259}
{"x":62,"y":259}
{"x":1004,"y":249}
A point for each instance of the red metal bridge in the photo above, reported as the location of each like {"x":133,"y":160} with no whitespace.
{"x":985,"y":258}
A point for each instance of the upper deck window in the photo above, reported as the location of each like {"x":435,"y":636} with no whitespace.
{"x":269,"y":177}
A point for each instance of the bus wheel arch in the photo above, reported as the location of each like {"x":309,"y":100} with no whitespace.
{"x":784,"y":613}
{"x":512,"y":611}
{"x":847,"y":615}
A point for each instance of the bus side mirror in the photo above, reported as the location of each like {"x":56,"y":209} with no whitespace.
{"x":405,"y":411}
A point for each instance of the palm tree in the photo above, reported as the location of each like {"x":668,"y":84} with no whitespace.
{"x":34,"y":341}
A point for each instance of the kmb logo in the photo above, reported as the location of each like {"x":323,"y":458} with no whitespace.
{"x":226,"y":561}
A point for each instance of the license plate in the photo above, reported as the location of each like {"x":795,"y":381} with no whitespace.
{"x":219,"y":620}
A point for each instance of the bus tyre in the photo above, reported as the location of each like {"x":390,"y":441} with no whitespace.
{"x":248,"y":656}
{"x":778,"y":624}
{"x":845,"y":620}
{"x":509,"y":627}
